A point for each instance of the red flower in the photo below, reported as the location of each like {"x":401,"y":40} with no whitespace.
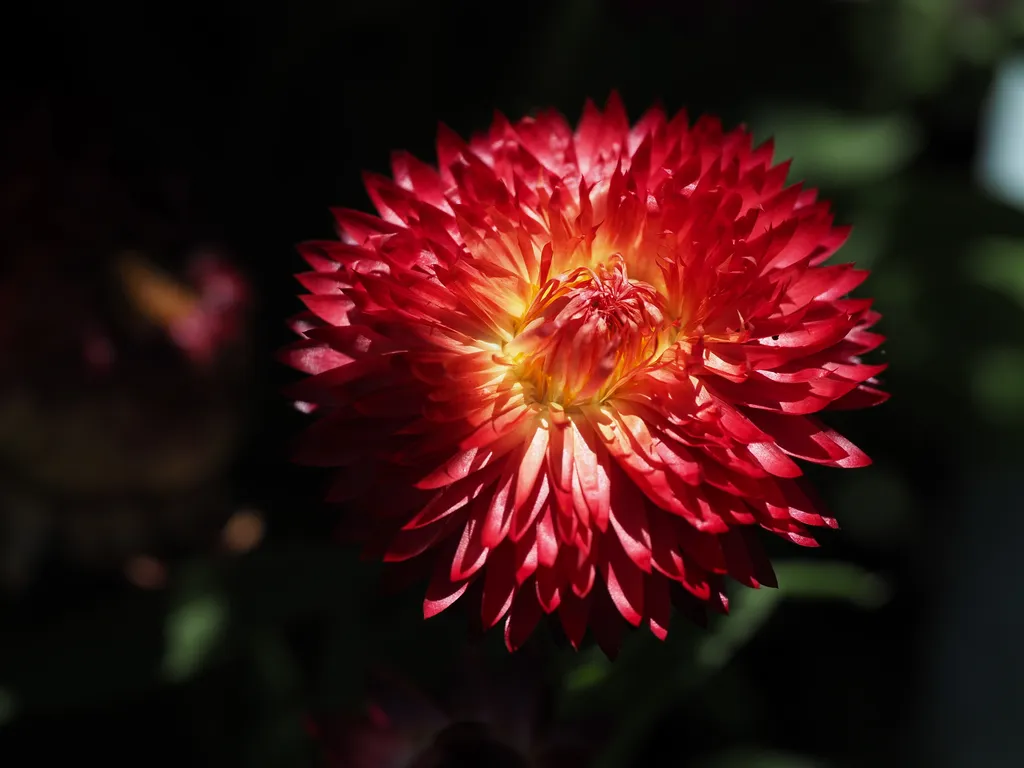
{"x":574,"y":366}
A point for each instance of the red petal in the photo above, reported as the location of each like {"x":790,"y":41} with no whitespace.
{"x":573,"y":613}
{"x":808,"y":439}
{"x":499,"y":585}
{"x":442,"y":592}
{"x":499,"y":512}
{"x":406,"y":545}
{"x":466,"y":463}
{"x":591,"y":474}
{"x":522,"y":618}
{"x":420,"y":178}
{"x":471,"y":554}
{"x":361,"y":226}
{"x":625,"y":582}
{"x":531,"y":465}
{"x":560,"y":456}
{"x":526,"y":557}
{"x":523,"y":518}
{"x":629,"y":521}
{"x":607,"y":624}
{"x":331,"y":309}
{"x":861,"y":397}
{"x":453,"y":498}
{"x":772,"y":459}
{"x":659,"y":605}
{"x":547,"y":541}
{"x":549,"y":588}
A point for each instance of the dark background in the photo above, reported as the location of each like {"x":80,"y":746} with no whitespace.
{"x":896,"y":643}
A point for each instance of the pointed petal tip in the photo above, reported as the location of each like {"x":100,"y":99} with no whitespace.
{"x":658,"y":631}
{"x":432,"y":607}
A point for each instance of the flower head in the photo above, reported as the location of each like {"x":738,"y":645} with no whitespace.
{"x":573,"y":368}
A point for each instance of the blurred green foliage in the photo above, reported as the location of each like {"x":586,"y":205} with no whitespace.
{"x":841,"y":149}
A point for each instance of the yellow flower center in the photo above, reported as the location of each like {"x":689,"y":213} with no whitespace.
{"x":585,"y":332}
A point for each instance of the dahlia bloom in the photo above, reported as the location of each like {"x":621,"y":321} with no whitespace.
{"x":572,"y":369}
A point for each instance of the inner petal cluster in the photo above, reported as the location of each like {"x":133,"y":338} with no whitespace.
{"x":585,"y":333}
